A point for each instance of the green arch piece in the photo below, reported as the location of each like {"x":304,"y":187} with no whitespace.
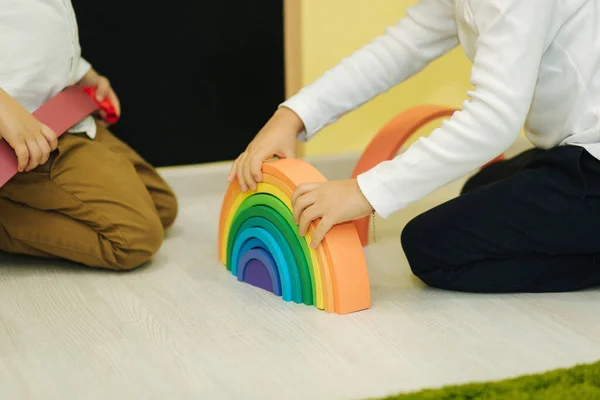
{"x":274,"y":210}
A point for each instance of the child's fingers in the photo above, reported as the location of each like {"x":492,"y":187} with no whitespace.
{"x":301,"y":204}
{"x":240,"y":173}
{"x":35,"y":154}
{"x":232,"y":171}
{"x":22,"y":153}
{"x":307,"y":217}
{"x":324,"y":226}
{"x":255,"y":168}
{"x":102,"y":89}
{"x":44,"y":148}
{"x":51,"y":137}
{"x":247,"y":175}
{"x":301,"y":190}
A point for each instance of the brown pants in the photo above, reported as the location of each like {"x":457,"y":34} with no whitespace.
{"x":95,"y":202}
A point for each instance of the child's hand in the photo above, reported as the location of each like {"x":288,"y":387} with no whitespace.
{"x":31,"y":140}
{"x":103,"y":89}
{"x":277,"y":138}
{"x":334,"y":202}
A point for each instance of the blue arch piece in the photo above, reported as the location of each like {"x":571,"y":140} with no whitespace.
{"x":252,"y":243}
{"x":265,"y":258}
{"x":282,"y":244}
{"x":273,"y":248}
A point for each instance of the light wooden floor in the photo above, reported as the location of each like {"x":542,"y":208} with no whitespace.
{"x":183,"y":328}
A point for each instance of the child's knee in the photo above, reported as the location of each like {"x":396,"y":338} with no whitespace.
{"x":411,"y":235}
{"x":414,"y":241}
{"x":141,"y":240}
{"x":168,"y":209}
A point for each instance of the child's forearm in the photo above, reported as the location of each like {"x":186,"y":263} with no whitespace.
{"x":5,"y":98}
{"x":8,"y":105}
{"x":427,"y":32}
{"x":291,"y":119}
{"x":3,"y":94}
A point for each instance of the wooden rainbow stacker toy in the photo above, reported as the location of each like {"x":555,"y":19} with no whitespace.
{"x":260,"y":245}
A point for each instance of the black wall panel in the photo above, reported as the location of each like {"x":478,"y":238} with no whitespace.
{"x":196,"y":79}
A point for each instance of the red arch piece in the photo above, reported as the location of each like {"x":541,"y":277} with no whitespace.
{"x":390,"y":139}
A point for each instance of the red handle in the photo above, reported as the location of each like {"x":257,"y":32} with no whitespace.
{"x":106,"y":105}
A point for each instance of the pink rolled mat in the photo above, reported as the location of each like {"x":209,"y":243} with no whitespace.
{"x":59,"y":113}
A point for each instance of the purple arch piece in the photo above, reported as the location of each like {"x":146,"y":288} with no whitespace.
{"x":256,"y":274}
{"x":250,"y":272}
{"x":250,"y":244}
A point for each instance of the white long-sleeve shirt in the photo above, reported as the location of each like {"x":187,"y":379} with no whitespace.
{"x":40,"y":53}
{"x":536,"y":63}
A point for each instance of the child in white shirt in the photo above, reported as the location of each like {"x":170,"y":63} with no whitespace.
{"x":87,"y":197}
{"x":527,"y":224}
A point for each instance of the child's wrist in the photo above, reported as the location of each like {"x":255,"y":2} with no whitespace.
{"x":290,"y":119}
{"x":4,"y":101}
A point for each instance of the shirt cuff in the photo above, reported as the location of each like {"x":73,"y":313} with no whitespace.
{"x":375,"y":191}
{"x":82,"y":68}
{"x":301,"y":105}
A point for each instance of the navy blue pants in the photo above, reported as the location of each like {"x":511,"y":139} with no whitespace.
{"x":527,"y":224}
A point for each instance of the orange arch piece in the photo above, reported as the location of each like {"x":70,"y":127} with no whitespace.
{"x":388,"y":141}
{"x":340,"y":258}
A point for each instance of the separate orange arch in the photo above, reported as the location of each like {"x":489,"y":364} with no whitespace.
{"x":388,"y":141}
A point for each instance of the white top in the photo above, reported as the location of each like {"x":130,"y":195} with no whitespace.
{"x":40,"y":52}
{"x":536,"y":63}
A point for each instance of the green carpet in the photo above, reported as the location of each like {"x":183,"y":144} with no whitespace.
{"x":578,"y":383}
